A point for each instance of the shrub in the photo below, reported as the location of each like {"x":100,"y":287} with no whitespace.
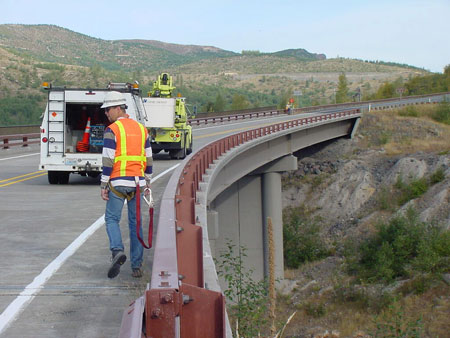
{"x":410,"y":111}
{"x":414,"y":189}
{"x":437,"y":176}
{"x":315,"y":309}
{"x":401,"y":245}
{"x":361,"y":296}
{"x":301,"y":239}
{"x":393,"y":324}
{"x":411,"y":190}
{"x":384,"y":138}
{"x":442,"y":113}
{"x":249,"y":297}
{"x":385,"y":199}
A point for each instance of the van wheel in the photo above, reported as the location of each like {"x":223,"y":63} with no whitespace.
{"x":63,"y":177}
{"x":53,"y":177}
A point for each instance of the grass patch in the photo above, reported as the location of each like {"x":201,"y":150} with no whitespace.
{"x":392,"y":323}
{"x":442,"y":113}
{"x":409,"y":111}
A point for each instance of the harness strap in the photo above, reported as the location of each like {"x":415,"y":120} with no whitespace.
{"x":138,"y":218}
{"x":129,"y":196}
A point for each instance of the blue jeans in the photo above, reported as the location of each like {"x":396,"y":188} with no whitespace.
{"x":113,"y":214}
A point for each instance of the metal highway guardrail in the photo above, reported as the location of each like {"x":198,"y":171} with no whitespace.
{"x":177,"y":304}
{"x":19,"y":140}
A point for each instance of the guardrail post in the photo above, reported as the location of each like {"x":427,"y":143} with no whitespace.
{"x":161,"y":310}
{"x":5,"y":143}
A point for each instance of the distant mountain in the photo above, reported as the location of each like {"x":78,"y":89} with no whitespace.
{"x":188,"y":50}
{"x":300,"y":53}
{"x":49,"y":43}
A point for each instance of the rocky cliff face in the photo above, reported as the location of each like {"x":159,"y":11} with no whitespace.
{"x":348,"y":187}
{"x":342,"y":184}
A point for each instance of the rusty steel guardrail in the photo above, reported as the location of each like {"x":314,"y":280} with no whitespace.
{"x":19,"y":140}
{"x":177,"y":304}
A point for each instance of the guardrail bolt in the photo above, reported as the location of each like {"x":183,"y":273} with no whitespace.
{"x":180,"y":229}
{"x":167,"y":298}
{"x":156,"y":313}
{"x":181,"y":277}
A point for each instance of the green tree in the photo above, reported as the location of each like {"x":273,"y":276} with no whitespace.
{"x":209,"y":107}
{"x":342,"y":91}
{"x":239,"y":102}
{"x":385,"y":91}
{"x":219,"y":104}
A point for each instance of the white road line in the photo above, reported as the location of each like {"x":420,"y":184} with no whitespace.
{"x":32,"y":289}
{"x":11,"y":158}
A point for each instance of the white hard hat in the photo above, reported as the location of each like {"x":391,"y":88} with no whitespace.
{"x":113,"y":99}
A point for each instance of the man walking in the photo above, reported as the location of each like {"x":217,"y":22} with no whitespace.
{"x":127,"y":161}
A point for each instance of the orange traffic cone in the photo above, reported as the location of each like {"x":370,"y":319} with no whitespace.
{"x":83,"y":145}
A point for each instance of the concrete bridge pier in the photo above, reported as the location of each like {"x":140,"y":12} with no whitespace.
{"x":239,"y":215}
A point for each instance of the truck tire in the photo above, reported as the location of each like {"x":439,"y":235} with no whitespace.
{"x":63,"y":177}
{"x":58,"y":177}
{"x":177,"y":154}
{"x":53,"y":177}
{"x":189,"y":150}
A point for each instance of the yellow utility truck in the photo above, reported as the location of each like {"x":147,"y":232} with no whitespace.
{"x":167,"y":119}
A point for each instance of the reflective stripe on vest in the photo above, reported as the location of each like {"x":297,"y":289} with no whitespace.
{"x":122,"y":153}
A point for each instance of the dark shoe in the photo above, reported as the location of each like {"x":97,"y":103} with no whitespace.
{"x":117,"y":260}
{"x":137,"y":272}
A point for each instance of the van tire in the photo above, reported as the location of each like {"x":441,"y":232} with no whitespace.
{"x":53,"y":177}
{"x":63,"y":177}
{"x":58,"y":177}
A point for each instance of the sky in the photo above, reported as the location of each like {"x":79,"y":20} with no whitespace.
{"x":404,"y":31}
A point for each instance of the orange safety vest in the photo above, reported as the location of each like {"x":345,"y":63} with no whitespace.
{"x":130,"y":159}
